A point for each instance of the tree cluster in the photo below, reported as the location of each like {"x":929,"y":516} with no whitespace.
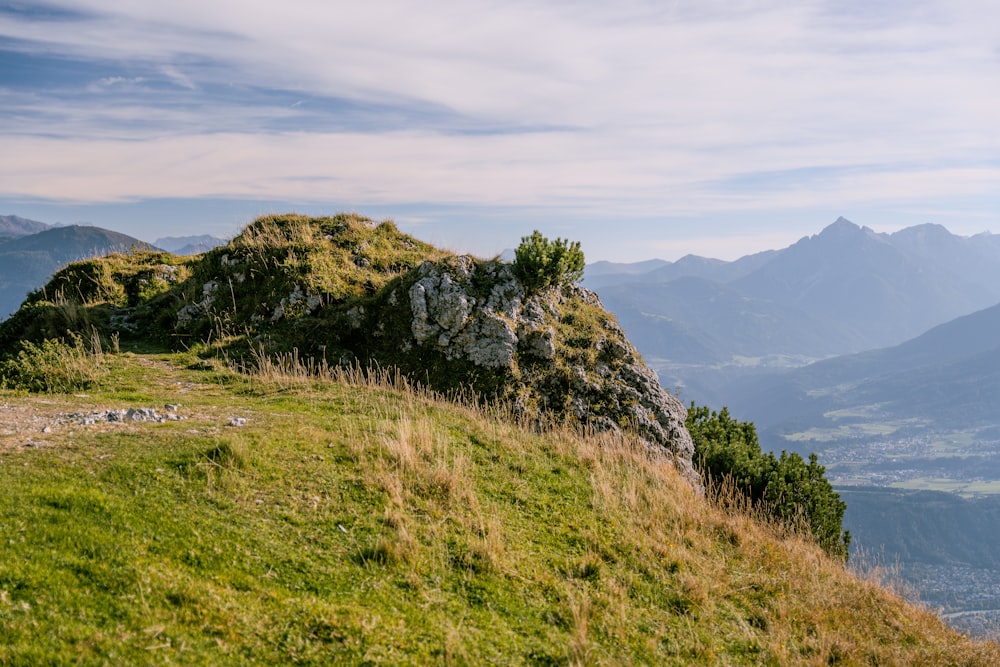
{"x":785,"y":487}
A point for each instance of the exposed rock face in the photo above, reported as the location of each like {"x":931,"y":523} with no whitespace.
{"x":460,"y":325}
{"x":560,"y":352}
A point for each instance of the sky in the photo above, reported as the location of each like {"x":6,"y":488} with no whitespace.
{"x":640,"y":128}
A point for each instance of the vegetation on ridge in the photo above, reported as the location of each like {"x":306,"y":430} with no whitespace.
{"x":540,"y":263}
{"x":783,"y":488}
{"x":349,"y":291}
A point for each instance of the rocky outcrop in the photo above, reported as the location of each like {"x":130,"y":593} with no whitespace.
{"x":560,"y":353}
{"x":446,"y":315}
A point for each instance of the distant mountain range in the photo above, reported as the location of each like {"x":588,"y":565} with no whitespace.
{"x":706,"y":323}
{"x":950,"y":376}
{"x":31,"y":251}
{"x":189,"y":245}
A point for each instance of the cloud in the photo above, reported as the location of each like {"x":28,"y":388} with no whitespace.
{"x":585,"y":109}
{"x":178,"y":78}
{"x":117,"y":83}
{"x":554,"y":170}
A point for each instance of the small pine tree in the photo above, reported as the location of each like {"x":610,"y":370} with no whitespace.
{"x":539,"y":263}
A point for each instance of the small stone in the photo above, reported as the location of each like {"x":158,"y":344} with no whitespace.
{"x":237,"y":421}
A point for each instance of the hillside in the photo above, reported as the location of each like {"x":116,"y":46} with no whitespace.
{"x":241,"y":499}
{"x":273,"y":518}
{"x":27,"y":262}
{"x":945,"y":379}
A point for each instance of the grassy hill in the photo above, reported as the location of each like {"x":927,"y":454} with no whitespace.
{"x":281,"y":519}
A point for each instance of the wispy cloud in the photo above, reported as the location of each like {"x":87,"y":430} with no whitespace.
{"x":177,"y":77}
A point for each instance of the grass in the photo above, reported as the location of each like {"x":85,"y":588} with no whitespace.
{"x":964,"y":488}
{"x":357,"y":522}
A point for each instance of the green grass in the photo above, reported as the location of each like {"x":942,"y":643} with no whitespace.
{"x":964,"y":488}
{"x":356,"y":523}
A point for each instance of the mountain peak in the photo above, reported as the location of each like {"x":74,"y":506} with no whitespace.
{"x":840,"y":227}
{"x":926,"y":231}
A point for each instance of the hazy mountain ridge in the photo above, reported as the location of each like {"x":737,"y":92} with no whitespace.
{"x":939,"y":544}
{"x":189,"y":245}
{"x":845,"y":290}
{"x":14,"y":226}
{"x":950,"y":370}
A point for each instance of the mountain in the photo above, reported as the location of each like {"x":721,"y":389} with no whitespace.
{"x":868,"y":282}
{"x":189,"y":245}
{"x":12,"y":227}
{"x":658,"y":271}
{"x":949,"y":376}
{"x":924,"y":527}
{"x":27,"y":262}
{"x":844,"y":290}
{"x":941,"y":545}
{"x":603,"y":272}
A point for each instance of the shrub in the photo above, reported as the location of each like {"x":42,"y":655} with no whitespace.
{"x":539,"y":263}
{"x":786,"y":488}
{"x":55,"y":366}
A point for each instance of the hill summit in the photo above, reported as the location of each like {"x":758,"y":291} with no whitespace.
{"x":348,"y":291}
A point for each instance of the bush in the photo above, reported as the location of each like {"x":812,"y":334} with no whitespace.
{"x":786,"y":488}
{"x":539,"y":263}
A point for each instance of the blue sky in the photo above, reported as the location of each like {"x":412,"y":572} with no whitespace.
{"x":642,"y":129}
